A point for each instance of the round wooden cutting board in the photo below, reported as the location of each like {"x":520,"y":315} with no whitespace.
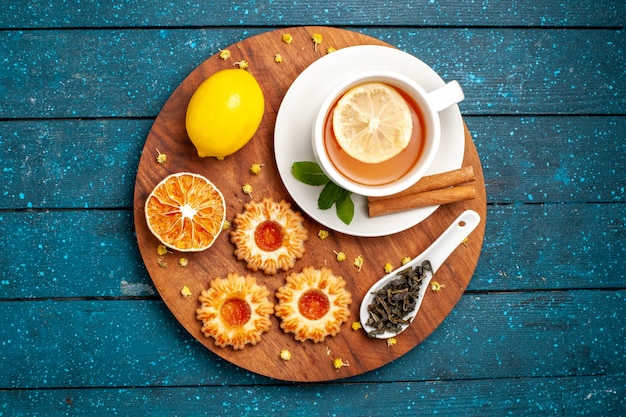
{"x":310,"y":362}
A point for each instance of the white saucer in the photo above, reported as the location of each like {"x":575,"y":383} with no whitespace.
{"x":292,"y":135}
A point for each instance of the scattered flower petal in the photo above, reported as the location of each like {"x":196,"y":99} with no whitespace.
{"x":185,"y":292}
{"x":278,"y":58}
{"x":285,"y":355}
{"x":338,"y":363}
{"x":255,"y":169}
{"x":161,"y":157}
{"x":391,"y":341}
{"x":435,"y":286}
{"x":183,"y":262}
{"x":287,"y":38}
{"x":340,"y":256}
{"x":224,"y":54}
{"x":388,"y":267}
{"x":358,"y":262}
{"x":317,"y":39}
{"x":243,"y":64}
{"x":356,"y":325}
{"x":247,"y":189}
{"x":161,"y":250}
{"x":323,"y":234}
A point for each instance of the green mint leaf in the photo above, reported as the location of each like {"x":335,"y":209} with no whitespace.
{"x":330,"y":194}
{"x":309,"y":173}
{"x":345,"y":208}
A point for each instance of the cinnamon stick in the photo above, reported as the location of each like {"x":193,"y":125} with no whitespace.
{"x":435,"y":182}
{"x":428,"y":198}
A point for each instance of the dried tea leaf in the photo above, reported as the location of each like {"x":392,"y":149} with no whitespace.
{"x":396,"y":300}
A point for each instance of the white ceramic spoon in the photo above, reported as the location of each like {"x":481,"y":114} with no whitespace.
{"x":436,"y":253}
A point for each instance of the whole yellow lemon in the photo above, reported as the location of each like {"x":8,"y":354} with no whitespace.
{"x":224,"y":112}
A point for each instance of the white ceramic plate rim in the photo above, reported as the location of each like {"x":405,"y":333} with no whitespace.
{"x":292,"y":134}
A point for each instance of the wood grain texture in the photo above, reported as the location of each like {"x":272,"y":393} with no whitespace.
{"x":538,"y":331}
{"x":136,"y":13}
{"x":567,"y":396}
{"x":78,"y":164}
{"x":131,"y":73}
{"x":137,"y":342}
{"x":310,"y":362}
{"x":527,"y":247}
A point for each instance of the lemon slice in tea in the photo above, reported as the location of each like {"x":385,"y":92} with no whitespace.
{"x":372,"y":122}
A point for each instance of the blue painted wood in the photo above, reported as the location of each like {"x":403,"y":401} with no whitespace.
{"x":70,"y":163}
{"x":599,"y":395}
{"x":130,"y":73}
{"x":126,"y":343}
{"x":540,"y":329}
{"x":534,"y":159}
{"x":526,"y":248}
{"x":137,"y":13}
{"x":47,"y":164}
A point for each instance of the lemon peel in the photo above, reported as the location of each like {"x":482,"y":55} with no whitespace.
{"x":224,"y":113}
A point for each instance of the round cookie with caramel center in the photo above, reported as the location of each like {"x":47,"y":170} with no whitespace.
{"x":313,"y":304}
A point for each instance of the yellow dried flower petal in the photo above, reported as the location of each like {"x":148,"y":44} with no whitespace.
{"x":338,"y":363}
{"x":406,"y":260}
{"x":224,"y":54}
{"x":161,"y":157}
{"x":391,"y":341}
{"x":388,"y":267}
{"x":243,"y":64}
{"x":255,"y":169}
{"x":435,"y":286}
{"x":356,"y":325}
{"x":161,"y":250}
{"x":358,"y":262}
{"x":331,"y":49}
{"x":247,"y":189}
{"x":185,"y":292}
{"x":317,"y":39}
{"x":323,"y":234}
{"x":162,"y":263}
{"x":226,"y":225}
{"x":183,"y":262}
{"x":285,"y":355}
{"x":340,"y":256}
{"x":278,"y":58}
{"x":287,"y":38}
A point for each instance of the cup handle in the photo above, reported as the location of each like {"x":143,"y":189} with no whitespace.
{"x":446,"y":96}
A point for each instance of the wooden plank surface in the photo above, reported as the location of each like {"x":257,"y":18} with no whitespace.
{"x":136,"y":13}
{"x":550,"y":396}
{"x":526,"y":248}
{"x":83,"y":82}
{"x":307,"y":364}
{"x":563,"y":334}
{"x":546,"y":397}
{"x":52,"y":164}
{"x":130,"y":73}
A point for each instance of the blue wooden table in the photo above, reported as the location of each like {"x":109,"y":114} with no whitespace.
{"x":540,"y":329}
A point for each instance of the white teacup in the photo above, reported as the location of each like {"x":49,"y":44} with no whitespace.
{"x":396,"y":175}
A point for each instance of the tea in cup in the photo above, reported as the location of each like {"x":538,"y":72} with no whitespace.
{"x":378,"y":132}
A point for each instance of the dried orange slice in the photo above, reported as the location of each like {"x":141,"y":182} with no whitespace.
{"x":372,"y":122}
{"x":186,"y":212}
